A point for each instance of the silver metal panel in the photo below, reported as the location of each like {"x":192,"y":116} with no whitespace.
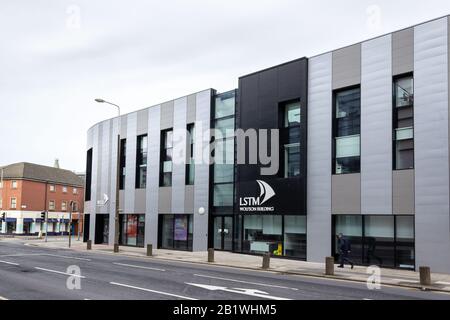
{"x":151,"y":209}
{"x":189,"y":199}
{"x":130,"y":163}
{"x":105,"y":164}
{"x":403,"y":51}
{"x":191,"y":101}
{"x":166,"y":115}
{"x":142,"y":122}
{"x":179,"y":155}
{"x":347,"y":66}
{"x":113,"y":175}
{"x":431,"y":120}
{"x":139,"y":201}
{"x":165,"y":200}
{"x":346,"y":193}
{"x":319,"y":158}
{"x":376,"y":126}
{"x":403,"y":192}
{"x":201,"y":177}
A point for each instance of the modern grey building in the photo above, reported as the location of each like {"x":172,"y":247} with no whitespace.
{"x":363,"y":134}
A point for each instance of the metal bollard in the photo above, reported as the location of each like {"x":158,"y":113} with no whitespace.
{"x":425,"y":276}
{"x":116,"y":248}
{"x":211,"y":255}
{"x":329,"y":266}
{"x":266,"y":261}
{"x":89,"y":245}
{"x":149,"y":250}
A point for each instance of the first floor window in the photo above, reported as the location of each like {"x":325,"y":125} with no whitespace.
{"x":64,"y":189}
{"x":291,"y":160}
{"x":64,"y":206}
{"x":75,"y":191}
{"x":166,"y":158}
{"x":51,"y":205}
{"x":52,"y":188}
{"x":347,"y":154}
{"x":13,"y":203}
{"x":404,"y":148}
{"x":14,"y":184}
{"x":223,"y":195}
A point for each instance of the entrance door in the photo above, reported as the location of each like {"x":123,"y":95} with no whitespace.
{"x":223,"y":233}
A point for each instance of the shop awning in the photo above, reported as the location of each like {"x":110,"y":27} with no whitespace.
{"x":52,"y":220}
{"x":38,"y":220}
{"x":27,"y":219}
{"x":10,"y":219}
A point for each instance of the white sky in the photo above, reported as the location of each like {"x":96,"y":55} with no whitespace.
{"x":57,"y":56}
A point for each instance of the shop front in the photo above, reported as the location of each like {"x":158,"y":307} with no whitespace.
{"x":175,"y":231}
{"x":132,"y":229}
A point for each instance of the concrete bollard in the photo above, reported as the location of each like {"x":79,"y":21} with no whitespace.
{"x":89,"y":245}
{"x":211,"y":255}
{"x":149,"y":250}
{"x":425,"y":276}
{"x":116,"y":248}
{"x":329,"y":266}
{"x":266,"y":261}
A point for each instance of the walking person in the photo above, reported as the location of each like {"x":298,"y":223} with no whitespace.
{"x":344,"y":247}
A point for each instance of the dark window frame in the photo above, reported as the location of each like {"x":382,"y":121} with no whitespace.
{"x":334,"y":129}
{"x":122,"y":162}
{"x":87,"y":193}
{"x":190,"y":145}
{"x":162,"y":157}
{"x":139,"y":160}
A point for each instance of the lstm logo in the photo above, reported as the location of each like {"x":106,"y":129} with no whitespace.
{"x":255,"y":203}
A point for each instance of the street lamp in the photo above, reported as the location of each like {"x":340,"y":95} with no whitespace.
{"x":116,"y":218}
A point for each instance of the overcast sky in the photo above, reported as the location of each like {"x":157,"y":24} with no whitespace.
{"x":57,"y":56}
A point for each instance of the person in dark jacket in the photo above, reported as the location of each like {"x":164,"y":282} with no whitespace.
{"x":344,"y":247}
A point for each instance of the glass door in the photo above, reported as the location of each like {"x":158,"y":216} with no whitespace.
{"x":223,"y":233}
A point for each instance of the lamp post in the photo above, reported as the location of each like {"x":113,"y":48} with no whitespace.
{"x":116,"y":218}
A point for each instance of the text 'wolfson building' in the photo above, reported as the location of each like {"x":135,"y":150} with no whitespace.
{"x":353,"y":141}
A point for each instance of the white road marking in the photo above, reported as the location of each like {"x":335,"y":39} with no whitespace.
{"x":241,"y":281}
{"x":7,"y":262}
{"x":140,"y":267}
{"x":154,"y":291}
{"x":406,"y":280}
{"x":247,"y":292}
{"x":3,"y":298}
{"x":443,"y":282}
{"x":367,"y":299}
{"x":60,"y":272}
{"x":66,"y":257}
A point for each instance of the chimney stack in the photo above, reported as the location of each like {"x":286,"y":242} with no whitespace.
{"x":56,"y":165}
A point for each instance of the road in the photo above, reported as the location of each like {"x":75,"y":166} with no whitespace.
{"x":29,"y":272}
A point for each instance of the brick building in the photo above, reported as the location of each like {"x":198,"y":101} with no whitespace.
{"x":28,"y":189}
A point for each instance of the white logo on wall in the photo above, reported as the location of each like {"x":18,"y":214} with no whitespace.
{"x":255,"y":203}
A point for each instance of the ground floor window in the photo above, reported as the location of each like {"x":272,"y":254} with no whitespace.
{"x":10,"y":227}
{"x":281,"y":235}
{"x":27,"y":227}
{"x":175,"y":231}
{"x":132,"y":229}
{"x":384,"y":240}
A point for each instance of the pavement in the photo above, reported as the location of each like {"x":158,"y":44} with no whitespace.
{"x":34,"y":269}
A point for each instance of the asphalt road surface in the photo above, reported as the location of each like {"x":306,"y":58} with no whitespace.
{"x":30,"y":273}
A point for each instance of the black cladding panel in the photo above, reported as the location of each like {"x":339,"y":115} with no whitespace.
{"x":260,"y":96}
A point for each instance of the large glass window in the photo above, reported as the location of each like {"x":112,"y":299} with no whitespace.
{"x":295,"y":236}
{"x":123,"y":157}
{"x":383,"y":240}
{"x":263,"y":233}
{"x":166,"y":158}
{"x":224,"y":104}
{"x":292,"y":114}
{"x":223,"y":195}
{"x":87,"y":194}
{"x":176,"y":231}
{"x":141,"y":162}
{"x":291,"y":160}
{"x":346,"y":131}
{"x":290,"y":139}
{"x":132,"y":229}
{"x":403,"y":134}
{"x":190,"y":166}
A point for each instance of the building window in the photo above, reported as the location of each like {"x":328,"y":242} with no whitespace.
{"x":132,"y":228}
{"x":1,"y":184}
{"x":75,"y":191}
{"x":74,"y":206}
{"x":13,"y":203}
{"x":346,"y":131}
{"x":14,"y":184}
{"x":175,"y":231}
{"x":403,"y":128}
{"x":123,"y":160}
{"x":223,"y":168}
{"x":190,"y":166}
{"x":51,"y":205}
{"x":141,"y":162}
{"x":64,"y":206}
{"x":64,"y":189}
{"x":52,"y":188}
{"x":166,"y":158}
{"x":1,"y":203}
{"x":87,"y":195}
{"x":292,"y":114}
{"x":291,"y":160}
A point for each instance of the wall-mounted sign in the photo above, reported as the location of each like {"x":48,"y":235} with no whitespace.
{"x":256,"y":204}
